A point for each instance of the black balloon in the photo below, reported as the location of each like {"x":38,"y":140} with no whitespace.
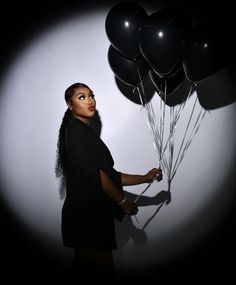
{"x":130,"y":71}
{"x":204,"y":55}
{"x":131,"y":93}
{"x":169,"y":83}
{"x":122,"y":24}
{"x":163,"y":37}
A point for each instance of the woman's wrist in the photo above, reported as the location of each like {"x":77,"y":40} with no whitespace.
{"x":122,"y":201}
{"x":144,"y":178}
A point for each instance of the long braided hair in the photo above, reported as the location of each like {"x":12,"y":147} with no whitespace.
{"x":60,"y":165}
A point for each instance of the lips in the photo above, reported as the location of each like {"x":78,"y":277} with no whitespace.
{"x":92,"y":108}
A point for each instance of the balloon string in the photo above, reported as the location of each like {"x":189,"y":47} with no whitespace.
{"x":176,"y":119}
{"x":163,"y":116}
{"x":194,"y":132}
{"x":151,"y":117}
{"x":153,"y":215}
{"x":164,"y":163}
{"x":152,"y":123}
{"x":153,"y":126}
{"x":156,"y":134}
{"x":169,"y":166}
{"x":139,"y":196}
{"x":182,"y":105}
{"x":162,"y":96}
{"x":162,"y":123}
{"x":188,"y":124}
{"x":171,"y":143}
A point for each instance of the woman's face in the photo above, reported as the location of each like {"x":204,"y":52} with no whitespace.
{"x":83,"y":104}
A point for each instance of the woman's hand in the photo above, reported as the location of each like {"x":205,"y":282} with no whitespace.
{"x":153,"y":173}
{"x":130,"y":208}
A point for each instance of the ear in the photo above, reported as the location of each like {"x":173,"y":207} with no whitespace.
{"x":69,"y":105}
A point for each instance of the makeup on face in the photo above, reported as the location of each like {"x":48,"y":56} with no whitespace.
{"x":83,"y":103}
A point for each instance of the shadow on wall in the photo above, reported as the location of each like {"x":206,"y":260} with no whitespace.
{"x":127,"y":231}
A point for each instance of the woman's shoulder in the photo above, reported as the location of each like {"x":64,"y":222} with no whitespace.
{"x":78,"y":129}
{"x":77,"y":124}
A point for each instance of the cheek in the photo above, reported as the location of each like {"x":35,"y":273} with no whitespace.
{"x":76,"y":107}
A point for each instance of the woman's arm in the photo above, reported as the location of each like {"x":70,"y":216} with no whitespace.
{"x":135,"y":179}
{"x":114,"y":193}
{"x":110,"y":188}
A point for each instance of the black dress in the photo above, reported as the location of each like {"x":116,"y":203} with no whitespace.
{"x":88,"y":213}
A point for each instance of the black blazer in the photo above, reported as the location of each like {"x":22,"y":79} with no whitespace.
{"x":86,"y":154}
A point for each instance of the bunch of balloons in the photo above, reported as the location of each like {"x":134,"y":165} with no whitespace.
{"x":166,"y":47}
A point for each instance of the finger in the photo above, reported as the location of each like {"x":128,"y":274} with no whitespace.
{"x":133,"y":213}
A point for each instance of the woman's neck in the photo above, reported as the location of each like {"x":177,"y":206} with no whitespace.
{"x":83,"y":119}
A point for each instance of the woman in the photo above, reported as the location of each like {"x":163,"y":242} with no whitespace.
{"x":94,"y":194}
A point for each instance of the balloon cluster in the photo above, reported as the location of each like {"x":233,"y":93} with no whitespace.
{"x":163,"y":45}
{"x":168,"y":49}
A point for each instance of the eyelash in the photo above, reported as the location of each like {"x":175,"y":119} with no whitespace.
{"x":82,"y":97}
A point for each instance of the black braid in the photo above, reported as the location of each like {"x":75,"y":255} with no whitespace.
{"x":60,"y":168}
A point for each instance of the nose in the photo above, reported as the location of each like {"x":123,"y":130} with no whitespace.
{"x":90,"y":101}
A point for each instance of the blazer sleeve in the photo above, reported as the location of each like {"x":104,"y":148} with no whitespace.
{"x":116,"y":177}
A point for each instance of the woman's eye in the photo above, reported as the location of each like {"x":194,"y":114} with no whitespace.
{"x":92,"y":96}
{"x":82,"y":97}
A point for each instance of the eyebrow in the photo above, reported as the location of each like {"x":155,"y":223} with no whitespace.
{"x":81,"y":93}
